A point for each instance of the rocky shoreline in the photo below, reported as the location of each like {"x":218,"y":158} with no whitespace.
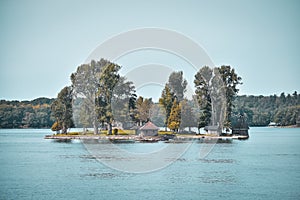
{"x":136,"y":138}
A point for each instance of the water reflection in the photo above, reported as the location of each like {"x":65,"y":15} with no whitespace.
{"x":62,"y":140}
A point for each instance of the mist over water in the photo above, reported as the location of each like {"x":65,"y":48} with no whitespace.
{"x":264,"y":167}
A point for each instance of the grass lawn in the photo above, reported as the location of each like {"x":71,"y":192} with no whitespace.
{"x":103,"y":132}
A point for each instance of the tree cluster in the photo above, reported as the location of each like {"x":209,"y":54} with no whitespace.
{"x":215,"y":91}
{"x":178,"y":110}
{"x":102,"y":95}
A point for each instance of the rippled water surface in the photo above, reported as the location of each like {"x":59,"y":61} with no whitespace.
{"x":267,"y":166}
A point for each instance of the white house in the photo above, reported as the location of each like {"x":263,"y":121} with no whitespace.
{"x":213,"y":130}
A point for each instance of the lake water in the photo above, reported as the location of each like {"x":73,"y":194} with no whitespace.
{"x":267,"y":166}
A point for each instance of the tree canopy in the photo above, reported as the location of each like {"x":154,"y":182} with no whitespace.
{"x":177,"y":84}
{"x":143,"y":109}
{"x":105,"y":93}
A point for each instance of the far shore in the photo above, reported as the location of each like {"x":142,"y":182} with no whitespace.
{"x":290,"y":126}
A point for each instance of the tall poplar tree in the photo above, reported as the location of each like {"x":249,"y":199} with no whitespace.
{"x":230,"y":80}
{"x":202,"y":79}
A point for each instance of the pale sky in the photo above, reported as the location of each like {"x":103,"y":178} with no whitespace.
{"x":43,"y":42}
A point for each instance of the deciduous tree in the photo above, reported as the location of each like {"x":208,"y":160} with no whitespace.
{"x":143,"y":109}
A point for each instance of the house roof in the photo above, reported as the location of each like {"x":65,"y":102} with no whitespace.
{"x":149,"y":126}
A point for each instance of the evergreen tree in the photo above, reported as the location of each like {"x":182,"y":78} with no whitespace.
{"x":202,"y":80}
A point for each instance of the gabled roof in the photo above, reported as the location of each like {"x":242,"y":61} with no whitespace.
{"x":149,"y":126}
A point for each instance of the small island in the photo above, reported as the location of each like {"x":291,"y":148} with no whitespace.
{"x":102,"y":100}
{"x":100,"y":97}
{"x":148,"y":133}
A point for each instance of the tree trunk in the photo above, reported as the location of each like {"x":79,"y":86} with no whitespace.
{"x":109,"y":129}
{"x":64,"y":129}
{"x":95,"y":127}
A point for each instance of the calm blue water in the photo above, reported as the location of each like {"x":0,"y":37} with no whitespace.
{"x":267,"y":166}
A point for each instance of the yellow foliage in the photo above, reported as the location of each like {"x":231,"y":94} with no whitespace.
{"x":165,"y":132}
{"x":56,"y":126}
{"x":126,"y":132}
{"x":174,"y":125}
{"x":36,"y":106}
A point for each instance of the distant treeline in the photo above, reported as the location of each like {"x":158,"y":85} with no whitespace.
{"x":259,"y":110}
{"x":26,"y":114}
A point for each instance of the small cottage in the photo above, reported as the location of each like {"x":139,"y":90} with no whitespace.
{"x":149,"y":129}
